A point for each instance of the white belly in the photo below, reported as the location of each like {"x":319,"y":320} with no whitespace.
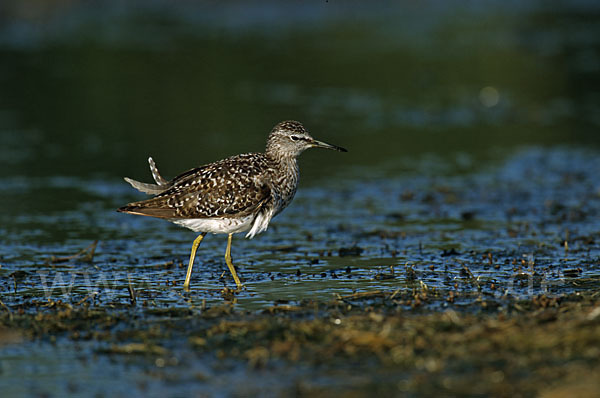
{"x":216,"y":225}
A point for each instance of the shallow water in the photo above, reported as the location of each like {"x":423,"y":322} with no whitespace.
{"x":352,"y":235}
{"x":472,"y":168}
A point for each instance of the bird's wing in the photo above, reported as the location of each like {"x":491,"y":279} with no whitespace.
{"x":236,"y":186}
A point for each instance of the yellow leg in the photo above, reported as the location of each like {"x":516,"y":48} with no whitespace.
{"x":230,"y":264}
{"x":188,"y":276}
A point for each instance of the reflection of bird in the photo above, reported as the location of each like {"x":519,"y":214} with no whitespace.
{"x":240,"y":193}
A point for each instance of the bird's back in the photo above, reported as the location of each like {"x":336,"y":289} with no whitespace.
{"x":232,"y":187}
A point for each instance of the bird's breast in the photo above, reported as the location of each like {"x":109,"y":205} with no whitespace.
{"x":285,"y":186}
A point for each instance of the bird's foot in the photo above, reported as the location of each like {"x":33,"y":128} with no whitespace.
{"x":229,"y":294}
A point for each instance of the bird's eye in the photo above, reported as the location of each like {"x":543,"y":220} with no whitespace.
{"x":294,"y":138}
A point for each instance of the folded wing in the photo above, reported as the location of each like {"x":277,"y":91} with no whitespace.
{"x":233,"y":187}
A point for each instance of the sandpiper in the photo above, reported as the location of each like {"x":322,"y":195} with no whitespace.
{"x":237,"y":194}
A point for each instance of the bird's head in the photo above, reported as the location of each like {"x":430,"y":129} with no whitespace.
{"x":290,"y":138}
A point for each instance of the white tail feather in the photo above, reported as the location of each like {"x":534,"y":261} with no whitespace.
{"x":155,"y":174}
{"x":150,"y":189}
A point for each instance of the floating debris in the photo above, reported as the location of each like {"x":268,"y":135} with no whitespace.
{"x":572,"y":272}
{"x":86,"y":254}
{"x":134,"y":349}
{"x":350,"y":251}
{"x":449,"y":252}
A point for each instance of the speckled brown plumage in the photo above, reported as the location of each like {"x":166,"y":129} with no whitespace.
{"x":235,"y":186}
{"x":240,"y":193}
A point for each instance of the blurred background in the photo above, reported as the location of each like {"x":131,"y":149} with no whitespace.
{"x":92,"y":88}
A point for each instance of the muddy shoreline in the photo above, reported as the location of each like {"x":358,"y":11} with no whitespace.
{"x":385,"y":341}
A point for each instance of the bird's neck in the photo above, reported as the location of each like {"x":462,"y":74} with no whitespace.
{"x":285,"y":178}
{"x":284,"y":164}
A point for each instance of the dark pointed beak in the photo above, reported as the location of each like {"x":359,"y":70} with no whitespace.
{"x":321,"y":144}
